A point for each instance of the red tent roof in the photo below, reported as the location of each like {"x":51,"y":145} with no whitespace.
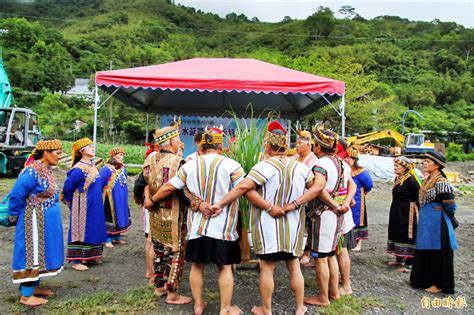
{"x":164,"y":88}
{"x":221,"y":74}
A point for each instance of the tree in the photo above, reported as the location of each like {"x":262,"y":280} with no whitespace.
{"x":320,"y":23}
{"x":348,"y":11}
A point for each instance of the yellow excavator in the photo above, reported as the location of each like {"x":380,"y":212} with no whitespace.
{"x":411,"y":143}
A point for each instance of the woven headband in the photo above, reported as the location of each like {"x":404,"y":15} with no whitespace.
{"x":216,"y":138}
{"x":435,"y":159}
{"x":79,"y":144}
{"x":276,"y":140}
{"x":354,"y":153}
{"x":325,"y":141}
{"x":167,"y":136}
{"x":116,"y":151}
{"x":43,"y":145}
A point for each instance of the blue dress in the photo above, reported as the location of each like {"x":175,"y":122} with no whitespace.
{"x":83,"y":193}
{"x":39,"y":246}
{"x":117,"y":214}
{"x":435,"y":238}
{"x":359,"y":212}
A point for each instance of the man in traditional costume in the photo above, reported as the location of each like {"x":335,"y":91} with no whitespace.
{"x":117,"y":214}
{"x":325,"y":227}
{"x":167,"y":217}
{"x":212,"y":236}
{"x":34,"y":209}
{"x":277,"y":235}
{"x":82,"y":192}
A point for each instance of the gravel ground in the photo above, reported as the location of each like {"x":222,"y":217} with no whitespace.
{"x":380,"y":288}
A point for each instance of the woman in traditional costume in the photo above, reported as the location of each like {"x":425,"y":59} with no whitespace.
{"x":403,"y":215}
{"x":359,"y":211}
{"x":435,"y":239}
{"x":34,"y":209}
{"x":117,"y":215}
{"x":83,"y":193}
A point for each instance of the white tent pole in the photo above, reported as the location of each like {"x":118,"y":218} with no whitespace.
{"x":289,"y":131}
{"x":146,"y":128}
{"x":342,"y":108}
{"x":96,"y":108}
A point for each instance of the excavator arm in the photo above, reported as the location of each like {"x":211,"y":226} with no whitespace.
{"x":377,"y":135}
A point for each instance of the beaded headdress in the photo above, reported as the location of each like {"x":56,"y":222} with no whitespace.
{"x":326,"y":138}
{"x":79,"y":144}
{"x":354,"y":153}
{"x":278,"y":140}
{"x":116,"y":151}
{"x":215,"y":133}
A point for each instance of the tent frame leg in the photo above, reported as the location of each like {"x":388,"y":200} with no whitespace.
{"x":96,"y":109}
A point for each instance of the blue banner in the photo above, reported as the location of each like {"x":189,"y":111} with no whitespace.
{"x":194,"y":124}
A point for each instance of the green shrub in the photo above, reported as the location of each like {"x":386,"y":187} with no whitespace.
{"x":455,"y":152}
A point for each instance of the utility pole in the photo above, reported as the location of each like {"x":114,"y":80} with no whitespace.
{"x":111,"y":123}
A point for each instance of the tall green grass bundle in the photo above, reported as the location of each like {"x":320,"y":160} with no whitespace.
{"x":248,"y":147}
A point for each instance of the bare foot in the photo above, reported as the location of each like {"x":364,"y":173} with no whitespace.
{"x":403,"y":269}
{"x":258,"y":310}
{"x":231,"y":310}
{"x":149,"y":275}
{"x":433,"y":289}
{"x":316,"y":300}
{"x":175,"y":298}
{"x":345,"y":291}
{"x":109,"y":245}
{"x":120,"y":242}
{"x":199,"y":309}
{"x":160,"y":291}
{"x":32,"y":300}
{"x":151,"y":282}
{"x":357,"y":248}
{"x":301,"y":311}
{"x":79,"y":267}
{"x":394,"y":263}
{"x":43,"y":292}
{"x":334,"y":296}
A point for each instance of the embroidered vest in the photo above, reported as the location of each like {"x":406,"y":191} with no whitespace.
{"x":165,"y":216}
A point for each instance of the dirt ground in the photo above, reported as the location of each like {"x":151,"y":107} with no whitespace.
{"x":120,"y":284}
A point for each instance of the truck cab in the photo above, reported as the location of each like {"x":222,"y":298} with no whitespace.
{"x":19,"y":133}
{"x":415,"y":143}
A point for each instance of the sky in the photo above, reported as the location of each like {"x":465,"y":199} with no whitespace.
{"x":461,"y":12}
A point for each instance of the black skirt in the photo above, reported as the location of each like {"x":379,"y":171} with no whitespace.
{"x":279,"y":256}
{"x":434,"y":267}
{"x":210,"y":250}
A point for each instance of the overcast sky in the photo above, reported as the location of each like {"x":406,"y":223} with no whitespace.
{"x":461,"y":12}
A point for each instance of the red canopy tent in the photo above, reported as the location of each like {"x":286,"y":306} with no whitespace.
{"x":212,"y":86}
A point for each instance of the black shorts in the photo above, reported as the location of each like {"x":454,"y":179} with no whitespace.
{"x":209,"y":250}
{"x":317,"y":255}
{"x":280,"y":256}
{"x":349,"y":240}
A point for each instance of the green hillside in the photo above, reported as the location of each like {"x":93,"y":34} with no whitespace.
{"x":389,"y":64}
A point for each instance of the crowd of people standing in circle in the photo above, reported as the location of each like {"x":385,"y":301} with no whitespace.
{"x":308,"y":209}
